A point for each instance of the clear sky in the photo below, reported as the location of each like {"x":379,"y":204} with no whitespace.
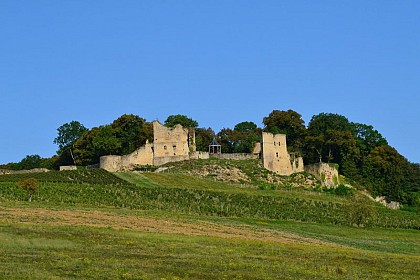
{"x":220,"y":62}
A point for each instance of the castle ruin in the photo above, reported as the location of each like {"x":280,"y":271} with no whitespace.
{"x":178,"y":144}
{"x":169,"y":145}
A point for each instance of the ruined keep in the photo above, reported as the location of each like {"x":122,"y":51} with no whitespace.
{"x":275,"y":156}
{"x":169,"y":145}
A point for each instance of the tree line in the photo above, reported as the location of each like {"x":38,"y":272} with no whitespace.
{"x":361,"y":153}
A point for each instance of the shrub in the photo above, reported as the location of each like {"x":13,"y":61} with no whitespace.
{"x":30,"y":185}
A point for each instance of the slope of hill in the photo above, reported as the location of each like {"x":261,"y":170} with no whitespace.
{"x":178,"y":226}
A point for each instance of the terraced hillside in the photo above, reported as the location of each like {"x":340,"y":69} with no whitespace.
{"x":94,"y":224}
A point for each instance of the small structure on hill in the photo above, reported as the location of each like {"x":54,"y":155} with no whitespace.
{"x":214,"y":147}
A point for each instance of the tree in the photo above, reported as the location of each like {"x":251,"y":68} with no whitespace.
{"x":321,"y":123}
{"x":245,"y":127}
{"x":105,"y":142}
{"x":287,"y":122}
{"x":385,"y":173}
{"x":226,"y":140}
{"x":367,"y":137}
{"x":329,"y":138}
{"x":68,"y":133}
{"x":183,"y":120}
{"x":132,"y":131}
{"x":203,"y":138}
{"x":30,"y":162}
{"x":83,"y":148}
{"x":30,"y":185}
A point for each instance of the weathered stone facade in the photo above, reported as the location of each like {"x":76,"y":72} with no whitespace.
{"x":67,"y":167}
{"x":327,"y":174}
{"x":169,"y":145}
{"x":275,"y":156}
{"x":235,"y":156}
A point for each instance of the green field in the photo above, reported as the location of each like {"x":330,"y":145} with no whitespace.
{"x":95,"y":225}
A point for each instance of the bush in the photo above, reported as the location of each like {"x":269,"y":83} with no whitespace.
{"x":30,"y":185}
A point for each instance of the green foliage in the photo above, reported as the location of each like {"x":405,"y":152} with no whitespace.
{"x":361,"y":213}
{"x":341,"y":190}
{"x":241,"y":139}
{"x":145,"y":168}
{"x":183,"y":120}
{"x":203,"y":138}
{"x":367,"y":138}
{"x":123,"y":136}
{"x":132,"y":131}
{"x":68,"y":133}
{"x":54,"y":251}
{"x":287,"y":122}
{"x":100,"y":188}
{"x":80,"y":176}
{"x":386,"y":172}
{"x":245,"y":127}
{"x":30,"y":162}
{"x":105,"y":142}
{"x":30,"y":185}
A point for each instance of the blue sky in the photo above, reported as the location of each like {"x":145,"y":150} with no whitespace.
{"x":220,"y":62}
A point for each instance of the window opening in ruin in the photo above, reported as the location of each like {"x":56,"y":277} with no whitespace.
{"x":174,"y":147}
{"x":165,"y":148}
{"x":277,"y":154}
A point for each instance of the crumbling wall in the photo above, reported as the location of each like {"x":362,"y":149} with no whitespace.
{"x":141,"y":156}
{"x":327,"y":174}
{"x":199,"y":155}
{"x":297,"y":165}
{"x":169,"y":143}
{"x":235,"y":156}
{"x":111,"y":163}
{"x":68,"y":167}
{"x":274,"y":153}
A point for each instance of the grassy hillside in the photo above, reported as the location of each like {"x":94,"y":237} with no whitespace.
{"x":176,"y":226}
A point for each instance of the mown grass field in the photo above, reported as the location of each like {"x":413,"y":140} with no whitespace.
{"x":118,"y":230}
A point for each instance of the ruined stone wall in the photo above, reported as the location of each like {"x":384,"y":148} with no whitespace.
{"x":199,"y":155}
{"x":67,"y":167}
{"x":235,"y":156}
{"x":141,"y":156}
{"x":257,"y":149}
{"x":328,"y":175}
{"x":274,"y":153}
{"x":34,"y":170}
{"x":297,"y":165}
{"x":169,"y":142}
{"x":111,"y":163}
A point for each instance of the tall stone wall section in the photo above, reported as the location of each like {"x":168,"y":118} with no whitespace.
{"x":274,"y":153}
{"x":328,"y":175}
{"x":275,"y":156}
{"x":169,"y":144}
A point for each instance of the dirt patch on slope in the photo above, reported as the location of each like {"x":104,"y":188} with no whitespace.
{"x":95,"y":218}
